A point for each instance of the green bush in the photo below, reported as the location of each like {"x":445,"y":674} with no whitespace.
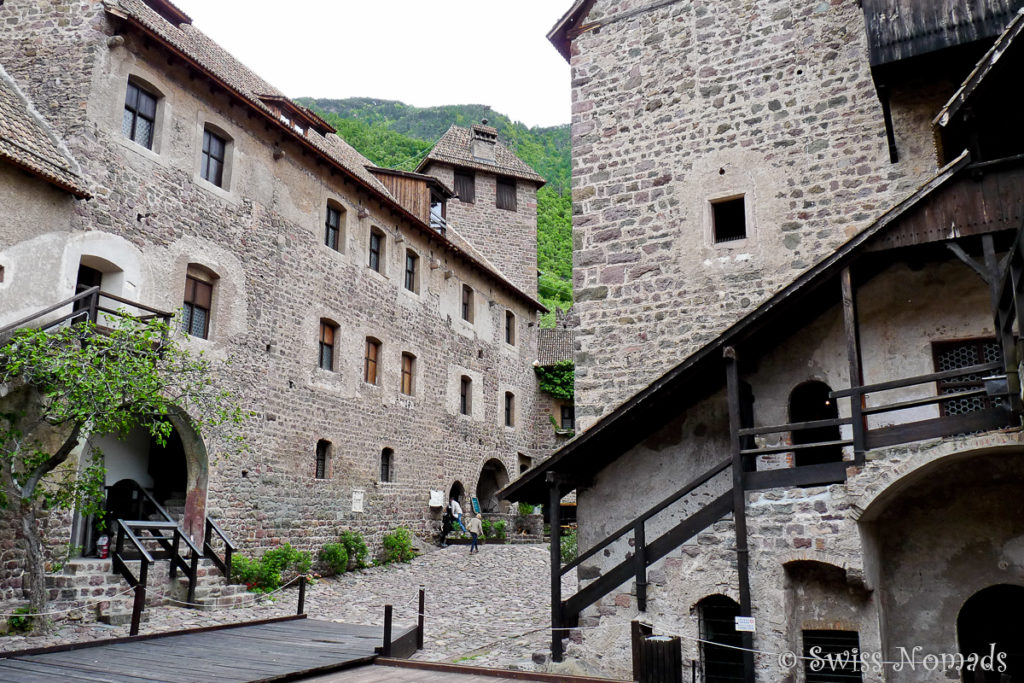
{"x":398,"y":546}
{"x":569,"y":545}
{"x":487,"y":527}
{"x":264,"y":575}
{"x":525,"y":509}
{"x":358,"y":555}
{"x":498,"y":531}
{"x":334,"y":556}
{"x":20,"y":624}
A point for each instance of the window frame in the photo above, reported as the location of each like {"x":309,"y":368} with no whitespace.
{"x":189,"y":307}
{"x":408,"y":383}
{"x":387,"y":465}
{"x":510,"y":328}
{"x":209,"y":135}
{"x":468,"y":181}
{"x":322,"y":460}
{"x":467,"y":304}
{"x":333,"y":230}
{"x":951,"y":387}
{"x":506,"y":201}
{"x":571,"y":410}
{"x":510,"y":409}
{"x":371,"y":365}
{"x":375,"y":260}
{"x":715,"y":207}
{"x":136,"y":113}
{"x":465,"y":395}
{"x":411,"y":280}
{"x":327,"y":327}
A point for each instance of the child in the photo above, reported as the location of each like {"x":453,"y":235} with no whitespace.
{"x":475,"y":528}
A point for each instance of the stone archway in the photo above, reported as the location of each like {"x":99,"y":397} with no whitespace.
{"x":989,"y":622}
{"x":197,"y":462}
{"x":493,"y":478}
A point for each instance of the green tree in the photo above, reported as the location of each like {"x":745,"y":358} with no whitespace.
{"x":64,"y":385}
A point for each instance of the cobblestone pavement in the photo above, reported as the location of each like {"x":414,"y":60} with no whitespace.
{"x":487,"y":609}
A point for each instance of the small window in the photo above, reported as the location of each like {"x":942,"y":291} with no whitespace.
{"x":376,"y":249}
{"x":437,"y":211}
{"x":467,"y":303}
{"x":411,"y":270}
{"x":139,"y":118}
{"x":327,"y":330}
{"x":387,"y":464}
{"x":195,"y":318}
{"x":510,"y":328}
{"x":953,"y":355}
{"x":332,"y":228}
{"x":843,"y":663}
{"x":323,"y":452}
{"x":465,"y":395}
{"x":408,"y":363}
{"x":729,"y":220}
{"x":525,"y":463}
{"x":370,"y":373}
{"x":510,"y":409}
{"x":214,"y":153}
{"x":465,"y":186}
{"x":569,"y":418}
{"x":506,"y":197}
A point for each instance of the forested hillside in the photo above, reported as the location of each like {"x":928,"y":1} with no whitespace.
{"x":396,"y":135}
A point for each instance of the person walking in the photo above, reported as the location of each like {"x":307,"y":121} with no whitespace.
{"x":457,"y":513}
{"x":476,"y":527}
{"x":446,"y":527}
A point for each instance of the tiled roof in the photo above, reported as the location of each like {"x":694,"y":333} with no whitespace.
{"x":205,"y":54}
{"x":27,"y":141}
{"x":554,"y":345}
{"x":455,"y":147}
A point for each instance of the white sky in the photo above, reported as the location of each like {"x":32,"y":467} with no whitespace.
{"x":422,"y":52}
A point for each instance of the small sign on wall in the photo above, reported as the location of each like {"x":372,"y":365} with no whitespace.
{"x":744,"y":624}
{"x":476,"y":505}
{"x":357,"y":500}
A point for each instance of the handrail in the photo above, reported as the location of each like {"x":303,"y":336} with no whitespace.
{"x":229,"y":548}
{"x":795,"y":426}
{"x":699,"y":481}
{"x":136,"y":304}
{"x":166,"y":515}
{"x":50,"y":309}
{"x":914,"y":381}
{"x":139,"y":584}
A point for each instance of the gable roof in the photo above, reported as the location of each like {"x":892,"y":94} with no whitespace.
{"x":27,"y":141}
{"x":702,"y":373}
{"x":201,"y":53}
{"x":456,"y":148}
{"x":554,"y":345}
{"x":559,"y":33}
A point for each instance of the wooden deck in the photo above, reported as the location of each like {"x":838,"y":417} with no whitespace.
{"x":411,"y":671}
{"x":263,"y":651}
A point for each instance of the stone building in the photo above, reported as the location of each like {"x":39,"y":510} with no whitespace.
{"x":385,"y":353}
{"x":804,"y":407}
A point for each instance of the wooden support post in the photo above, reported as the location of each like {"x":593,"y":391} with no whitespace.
{"x":419,"y":623}
{"x":739,"y":506}
{"x":193,"y":576}
{"x":302,"y":596}
{"x":555,"y":525}
{"x":140,"y":597}
{"x":850,"y":322}
{"x":640,"y":565}
{"x":386,"y":650}
{"x":1003,"y":321}
{"x":637,"y":632}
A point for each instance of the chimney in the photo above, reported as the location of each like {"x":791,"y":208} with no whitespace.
{"x":484,"y":139}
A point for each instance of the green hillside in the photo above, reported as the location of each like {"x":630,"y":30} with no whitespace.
{"x":396,"y":135}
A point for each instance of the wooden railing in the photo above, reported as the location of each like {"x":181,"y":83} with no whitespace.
{"x":85,"y":305}
{"x":224,"y":564}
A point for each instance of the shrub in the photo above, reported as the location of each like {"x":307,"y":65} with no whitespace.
{"x":398,"y":546}
{"x":487,"y":527}
{"x":358,"y":555}
{"x":335,"y":557}
{"x":525,"y":509}
{"x":498,"y":531}
{"x":20,"y":624}
{"x":264,"y":575}
{"x":569,"y":545}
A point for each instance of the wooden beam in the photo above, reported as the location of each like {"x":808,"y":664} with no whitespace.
{"x":853,"y":355}
{"x":739,"y":505}
{"x":555,"y":524}
{"x":983,"y":272}
{"x":950,"y":425}
{"x":791,"y":477}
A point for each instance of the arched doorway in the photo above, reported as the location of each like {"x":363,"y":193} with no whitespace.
{"x":992,"y":615}
{"x":457,"y":492}
{"x":717,"y":614}
{"x":493,"y":478}
{"x":95,"y":271}
{"x":809,"y":402}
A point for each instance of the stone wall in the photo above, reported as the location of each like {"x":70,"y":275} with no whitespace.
{"x":698,"y":101}
{"x":262,"y":236}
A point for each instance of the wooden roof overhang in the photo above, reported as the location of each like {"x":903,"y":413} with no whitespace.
{"x":943,"y":201}
{"x":430,"y":180}
{"x":260,"y":109}
{"x":306,"y":116}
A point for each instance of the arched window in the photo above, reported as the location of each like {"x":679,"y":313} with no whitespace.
{"x":387,"y":465}
{"x":717,"y":615}
{"x":810,"y":402}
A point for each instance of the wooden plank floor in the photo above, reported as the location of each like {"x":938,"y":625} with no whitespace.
{"x":242,"y":654}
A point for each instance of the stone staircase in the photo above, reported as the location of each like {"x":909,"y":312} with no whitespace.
{"x":92,"y":581}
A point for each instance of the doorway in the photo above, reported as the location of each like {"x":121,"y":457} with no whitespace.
{"x":810,"y":402}
{"x":992,"y":615}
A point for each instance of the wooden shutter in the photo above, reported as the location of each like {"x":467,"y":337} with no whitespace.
{"x":465,"y":186}
{"x":506,"y":198}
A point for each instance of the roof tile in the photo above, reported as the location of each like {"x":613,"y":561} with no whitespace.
{"x":455,"y":147}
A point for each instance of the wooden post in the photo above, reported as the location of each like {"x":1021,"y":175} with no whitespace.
{"x":1003,"y":320}
{"x":640,"y":565}
{"x":140,"y":597}
{"x":637,"y":633}
{"x":555,"y":524}
{"x":386,"y":650}
{"x":302,"y":596}
{"x":856,"y":370}
{"x":193,"y":577}
{"x":419,"y":623}
{"x":739,"y":506}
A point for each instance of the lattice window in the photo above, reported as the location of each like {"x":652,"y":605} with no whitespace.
{"x":832,"y":656}
{"x":963,"y":354}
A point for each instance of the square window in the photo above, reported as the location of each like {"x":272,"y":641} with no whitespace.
{"x":139,"y":117}
{"x":214,"y":153}
{"x":841,"y":666}
{"x":506,"y":194}
{"x":729,"y":220}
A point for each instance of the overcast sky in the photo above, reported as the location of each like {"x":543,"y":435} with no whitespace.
{"x":422,"y":52}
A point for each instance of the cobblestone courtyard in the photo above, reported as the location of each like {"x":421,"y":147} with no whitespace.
{"x":487,"y":609}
